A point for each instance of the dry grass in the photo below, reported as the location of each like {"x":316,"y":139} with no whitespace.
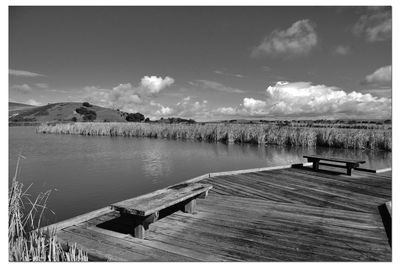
{"x":235,"y":133}
{"x":26,"y":241}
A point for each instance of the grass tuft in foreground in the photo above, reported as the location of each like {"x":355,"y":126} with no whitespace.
{"x":26,"y":241}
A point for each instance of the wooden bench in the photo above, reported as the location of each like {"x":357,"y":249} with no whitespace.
{"x":349,"y":164}
{"x":145,"y":209}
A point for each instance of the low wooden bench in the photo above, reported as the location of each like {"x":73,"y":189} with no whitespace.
{"x":145,"y":209}
{"x":349,"y":164}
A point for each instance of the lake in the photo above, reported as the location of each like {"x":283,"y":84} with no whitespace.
{"x":90,"y":172}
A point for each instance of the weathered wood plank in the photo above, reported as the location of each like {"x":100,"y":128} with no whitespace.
{"x":151,"y":203}
{"x":289,"y":214}
{"x":129,"y":245}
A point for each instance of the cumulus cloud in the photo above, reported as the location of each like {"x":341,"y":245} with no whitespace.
{"x":342,"y":50}
{"x":22,"y":88}
{"x":155,"y":84}
{"x":375,"y":25}
{"x":126,"y":96}
{"x":23,"y":73}
{"x":186,"y":108}
{"x":297,"y":40}
{"x":206,"y":84}
{"x":303,"y":99}
{"x":380,"y":77}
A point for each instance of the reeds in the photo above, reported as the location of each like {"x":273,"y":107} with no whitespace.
{"x":26,"y":241}
{"x":235,"y":133}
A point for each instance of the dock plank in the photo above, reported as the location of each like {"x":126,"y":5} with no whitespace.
{"x":279,"y":214}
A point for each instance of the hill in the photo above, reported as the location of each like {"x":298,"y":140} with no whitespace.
{"x":68,"y":111}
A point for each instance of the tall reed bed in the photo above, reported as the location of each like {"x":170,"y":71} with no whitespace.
{"x":26,"y":241}
{"x":235,"y":133}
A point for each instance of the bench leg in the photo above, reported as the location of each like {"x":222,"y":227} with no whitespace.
{"x":142,"y":225}
{"x":140,"y":231}
{"x":190,"y":206}
{"x":315,"y":165}
{"x":203,"y":195}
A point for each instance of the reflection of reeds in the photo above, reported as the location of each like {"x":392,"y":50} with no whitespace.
{"x":26,"y":241}
{"x":237,"y":133}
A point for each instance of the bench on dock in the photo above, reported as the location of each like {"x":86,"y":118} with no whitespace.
{"x":348,"y":163}
{"x":145,"y":209}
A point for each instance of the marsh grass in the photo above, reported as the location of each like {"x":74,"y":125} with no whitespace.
{"x":26,"y":240}
{"x":235,"y":133}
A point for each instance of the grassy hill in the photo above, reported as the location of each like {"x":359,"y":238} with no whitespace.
{"x":68,"y":111}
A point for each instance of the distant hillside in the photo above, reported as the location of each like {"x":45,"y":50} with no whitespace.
{"x":68,"y":111}
{"x":18,"y":106}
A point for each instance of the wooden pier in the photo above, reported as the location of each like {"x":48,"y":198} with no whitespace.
{"x":289,"y":213}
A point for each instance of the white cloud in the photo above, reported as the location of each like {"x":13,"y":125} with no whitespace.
{"x":226,"y":111}
{"x":375,"y":24}
{"x":342,"y":50}
{"x":155,"y":84}
{"x":254,"y":106}
{"x":126,"y":96}
{"x":22,"y":88}
{"x":302,"y":99}
{"x":185,"y":108}
{"x":225,"y":73}
{"x":381,"y":77}
{"x":23,"y":73}
{"x":297,"y":40}
{"x":206,"y":84}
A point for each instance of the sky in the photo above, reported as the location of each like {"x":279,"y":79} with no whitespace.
{"x":206,"y":63}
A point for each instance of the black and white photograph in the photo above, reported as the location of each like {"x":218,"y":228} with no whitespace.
{"x":199,"y":133}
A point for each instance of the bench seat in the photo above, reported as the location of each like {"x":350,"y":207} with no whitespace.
{"x":145,"y":209}
{"x":349,"y":164}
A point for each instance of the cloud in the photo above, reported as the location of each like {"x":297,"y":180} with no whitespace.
{"x":226,"y":111}
{"x":126,"y":96}
{"x":155,"y":84}
{"x":23,"y":73}
{"x":206,"y":84}
{"x":297,"y":40}
{"x":220,"y":72}
{"x":22,"y":88}
{"x":186,"y":108}
{"x":254,"y":106}
{"x":33,"y":102}
{"x":302,"y":99}
{"x":42,"y":85}
{"x":380,"y":77}
{"x":342,"y":50}
{"x":375,"y":25}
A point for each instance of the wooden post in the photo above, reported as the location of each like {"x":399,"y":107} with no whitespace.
{"x":190,"y":206}
{"x":143,"y":226}
{"x":140,"y":232}
{"x":315,"y":164}
{"x":203,"y":195}
{"x":349,"y":167}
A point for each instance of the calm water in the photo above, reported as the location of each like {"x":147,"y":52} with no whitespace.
{"x":87,"y":173}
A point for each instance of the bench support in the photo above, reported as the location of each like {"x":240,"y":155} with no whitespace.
{"x":190,"y":207}
{"x":316,"y":162}
{"x":139,"y":232}
{"x":142,"y":225}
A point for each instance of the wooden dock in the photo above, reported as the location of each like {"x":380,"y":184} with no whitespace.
{"x":280,"y":214}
